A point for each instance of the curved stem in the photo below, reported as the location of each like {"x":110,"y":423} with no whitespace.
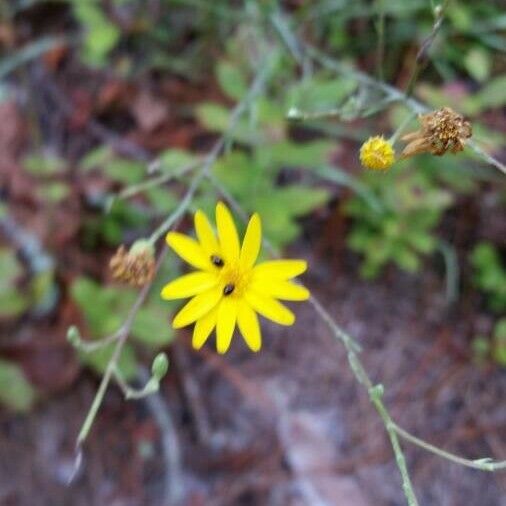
{"x":484,"y":464}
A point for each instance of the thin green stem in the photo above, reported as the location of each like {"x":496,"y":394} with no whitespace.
{"x":422,"y":56}
{"x":152,"y":385}
{"x":376,"y":394}
{"x":380,"y":28}
{"x":130,"y":191}
{"x":91,"y":346}
{"x":121,"y":340}
{"x":452,"y":270}
{"x":179,"y":211}
{"x":484,"y":464}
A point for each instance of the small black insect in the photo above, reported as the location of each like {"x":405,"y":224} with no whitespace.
{"x":216,"y":260}
{"x":228,"y":289}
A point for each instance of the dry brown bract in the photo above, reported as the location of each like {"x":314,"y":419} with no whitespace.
{"x":135,"y":267}
{"x":441,"y":131}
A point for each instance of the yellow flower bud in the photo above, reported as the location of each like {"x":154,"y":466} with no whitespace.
{"x":377,"y":154}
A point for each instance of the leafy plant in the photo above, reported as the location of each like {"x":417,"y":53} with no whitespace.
{"x":402,"y":231}
{"x":490,"y":275}
{"x":100,"y":34}
{"x":47,"y":168}
{"x":15,"y":390}
{"x":104,"y":310}
{"x":12,"y":301}
{"x":264,"y":169}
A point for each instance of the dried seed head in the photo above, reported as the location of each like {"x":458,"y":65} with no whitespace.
{"x":377,"y":154}
{"x":135,"y":266}
{"x":441,"y":131}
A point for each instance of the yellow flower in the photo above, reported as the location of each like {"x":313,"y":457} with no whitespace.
{"x":228,"y":289}
{"x":377,"y":154}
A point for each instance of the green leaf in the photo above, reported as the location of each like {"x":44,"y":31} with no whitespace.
{"x":151,"y":326}
{"x":478,"y":63}
{"x":54,"y":192}
{"x":290,"y":154}
{"x":320,"y":94}
{"x":171,"y":160}
{"x":216,"y":118}
{"x":12,"y":303}
{"x":162,"y":199}
{"x":15,"y":390}
{"x":125,"y":171}
{"x":98,"y":360}
{"x":491,"y":96}
{"x":96,"y":158}
{"x":499,"y":343}
{"x":231,"y":80}
{"x":407,"y":260}
{"x":299,"y":200}
{"x":43,"y":165}
{"x":341,"y":177}
{"x":104,"y":308}
{"x":9,"y":267}
{"x":101,"y":35}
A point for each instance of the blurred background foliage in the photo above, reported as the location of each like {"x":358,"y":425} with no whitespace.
{"x":165,"y":74}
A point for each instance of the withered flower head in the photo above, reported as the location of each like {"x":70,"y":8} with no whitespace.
{"x":441,"y":131}
{"x":135,"y":266}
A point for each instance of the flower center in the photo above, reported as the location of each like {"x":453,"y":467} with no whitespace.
{"x":234,"y":280}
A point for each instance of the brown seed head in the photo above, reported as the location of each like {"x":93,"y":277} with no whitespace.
{"x":441,"y":131}
{"x":136,"y":266}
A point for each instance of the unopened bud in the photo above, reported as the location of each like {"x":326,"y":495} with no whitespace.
{"x":160,"y":366}
{"x":73,"y":336}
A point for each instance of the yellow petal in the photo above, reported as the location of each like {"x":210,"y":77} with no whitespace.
{"x":197,"y":307}
{"x":252,"y":242}
{"x":280,"y":289}
{"x":203,"y":328}
{"x":188,"y":249}
{"x":205,"y":234}
{"x":270,"y":308}
{"x":227,"y":233}
{"x":280,"y":269}
{"x":227,"y":315}
{"x":189,"y":285}
{"x":247,"y":322}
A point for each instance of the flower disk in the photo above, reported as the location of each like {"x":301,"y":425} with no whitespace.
{"x":377,"y":154}
{"x":228,"y":288}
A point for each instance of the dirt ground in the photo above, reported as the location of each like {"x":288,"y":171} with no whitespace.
{"x":288,"y":426}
